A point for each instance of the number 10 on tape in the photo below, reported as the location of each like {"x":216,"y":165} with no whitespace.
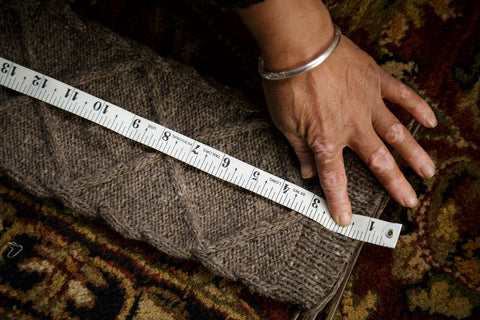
{"x":192,"y":152}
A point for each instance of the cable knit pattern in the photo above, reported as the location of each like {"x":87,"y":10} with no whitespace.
{"x":146,"y":195}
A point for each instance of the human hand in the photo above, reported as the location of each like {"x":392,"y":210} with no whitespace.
{"x":338,"y":104}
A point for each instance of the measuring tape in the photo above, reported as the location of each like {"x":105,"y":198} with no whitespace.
{"x":192,"y":152}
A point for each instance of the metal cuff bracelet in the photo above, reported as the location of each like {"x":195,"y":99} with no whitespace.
{"x":312,"y":64}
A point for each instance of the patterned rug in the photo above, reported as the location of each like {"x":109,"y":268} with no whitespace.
{"x":56,"y":264}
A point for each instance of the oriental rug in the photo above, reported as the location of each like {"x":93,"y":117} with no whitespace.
{"x":56,"y":264}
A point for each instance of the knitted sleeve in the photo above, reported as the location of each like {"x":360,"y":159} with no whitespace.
{"x":148,"y":196}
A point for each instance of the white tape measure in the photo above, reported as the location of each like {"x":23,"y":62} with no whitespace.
{"x":192,"y":152}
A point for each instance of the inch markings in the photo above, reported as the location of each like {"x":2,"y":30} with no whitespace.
{"x":192,"y":152}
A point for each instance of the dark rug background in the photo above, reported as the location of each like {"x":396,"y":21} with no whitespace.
{"x":76,"y":268}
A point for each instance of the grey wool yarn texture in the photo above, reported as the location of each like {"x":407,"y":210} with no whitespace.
{"x":148,"y":196}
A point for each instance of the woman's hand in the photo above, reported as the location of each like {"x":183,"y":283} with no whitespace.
{"x":336,"y":105}
{"x":340,"y":104}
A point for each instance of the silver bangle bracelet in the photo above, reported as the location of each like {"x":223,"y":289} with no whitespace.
{"x":312,"y":64}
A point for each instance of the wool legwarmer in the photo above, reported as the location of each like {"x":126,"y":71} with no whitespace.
{"x":148,"y":196}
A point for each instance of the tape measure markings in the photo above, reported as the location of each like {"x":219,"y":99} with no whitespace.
{"x":192,"y":152}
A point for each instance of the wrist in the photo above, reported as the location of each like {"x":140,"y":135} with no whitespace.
{"x":289,"y":33}
{"x":285,"y":74}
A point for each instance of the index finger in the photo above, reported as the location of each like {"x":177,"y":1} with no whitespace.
{"x":333,"y":179}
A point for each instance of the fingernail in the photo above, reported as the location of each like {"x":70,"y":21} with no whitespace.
{"x":307,"y":172}
{"x":430,"y":119}
{"x":427,"y":169}
{"x":344,"y":219}
{"x":337,"y":219}
{"x":432,"y":122}
{"x":410,"y":199}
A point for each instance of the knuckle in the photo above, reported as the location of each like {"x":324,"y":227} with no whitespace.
{"x":399,"y":185}
{"x":371,"y":70}
{"x":395,"y":134}
{"x":325,"y":150}
{"x":371,"y":67}
{"x":333,"y":181}
{"x":380,"y":160}
{"x":403,"y":91}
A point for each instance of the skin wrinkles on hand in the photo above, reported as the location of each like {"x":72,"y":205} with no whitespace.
{"x":337,"y":104}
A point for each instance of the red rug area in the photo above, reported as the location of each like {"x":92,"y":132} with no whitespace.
{"x":55,"y":264}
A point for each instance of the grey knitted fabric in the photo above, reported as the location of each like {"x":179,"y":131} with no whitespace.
{"x":147,"y":196}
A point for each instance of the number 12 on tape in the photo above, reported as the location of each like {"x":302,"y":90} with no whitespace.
{"x":192,"y":152}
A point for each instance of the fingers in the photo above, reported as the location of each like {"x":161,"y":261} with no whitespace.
{"x":328,"y":161}
{"x":333,"y":179}
{"x":380,"y":161}
{"x":399,"y":93}
{"x":396,"y":135}
{"x":331,"y":174}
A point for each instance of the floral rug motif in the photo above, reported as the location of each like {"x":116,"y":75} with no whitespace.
{"x":56,"y":264}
